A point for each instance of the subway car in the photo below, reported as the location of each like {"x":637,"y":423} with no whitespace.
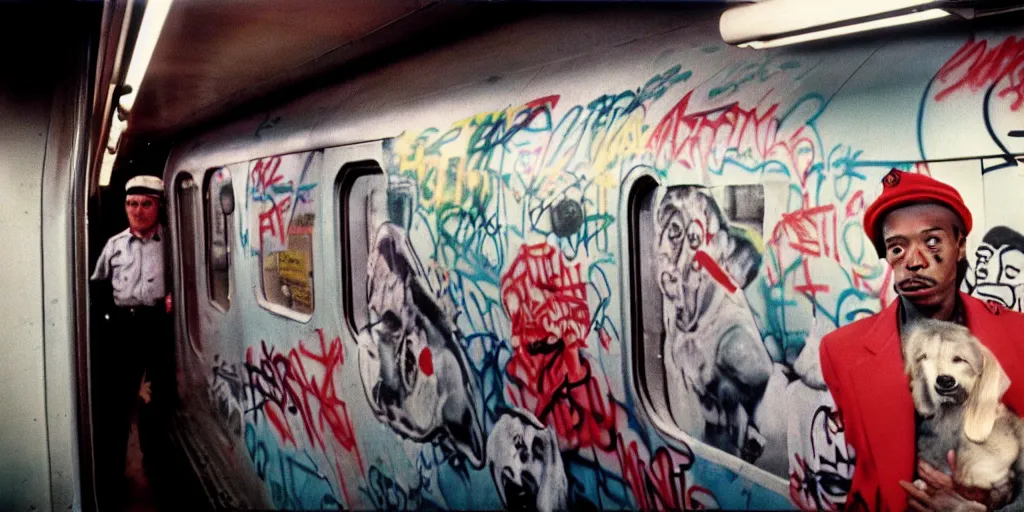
{"x":575,"y":263}
{"x":583,"y":260}
{"x":580,"y":262}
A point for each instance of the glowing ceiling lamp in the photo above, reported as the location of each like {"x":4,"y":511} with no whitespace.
{"x":916,"y":17}
{"x":149,"y":33}
{"x":774,"y":23}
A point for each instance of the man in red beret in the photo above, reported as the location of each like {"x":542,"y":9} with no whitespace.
{"x":920,"y":226}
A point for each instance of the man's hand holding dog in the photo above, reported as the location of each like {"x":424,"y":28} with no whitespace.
{"x":937,"y":491}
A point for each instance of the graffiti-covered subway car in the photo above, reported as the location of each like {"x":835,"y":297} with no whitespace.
{"x":580,"y":262}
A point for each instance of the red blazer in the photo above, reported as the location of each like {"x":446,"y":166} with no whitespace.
{"x":863,"y":367}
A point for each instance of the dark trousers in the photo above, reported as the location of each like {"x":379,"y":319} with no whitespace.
{"x":137,"y":341}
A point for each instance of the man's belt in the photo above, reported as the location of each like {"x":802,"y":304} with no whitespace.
{"x":137,"y":310}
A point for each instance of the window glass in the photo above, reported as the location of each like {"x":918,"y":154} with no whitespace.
{"x":186,"y":204}
{"x":282,"y":207}
{"x":220,"y":201}
{"x":363,"y":194}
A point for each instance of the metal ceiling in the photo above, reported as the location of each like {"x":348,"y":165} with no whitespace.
{"x":215,"y":53}
{"x":216,"y":56}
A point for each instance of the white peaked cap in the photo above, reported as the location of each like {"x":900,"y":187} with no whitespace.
{"x":146,"y":185}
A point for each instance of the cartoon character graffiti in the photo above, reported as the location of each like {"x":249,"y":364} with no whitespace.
{"x":413,"y":370}
{"x":524,"y":461}
{"x":711,"y":339}
{"x":998,"y":266}
{"x":983,"y":76}
{"x":822,"y":469}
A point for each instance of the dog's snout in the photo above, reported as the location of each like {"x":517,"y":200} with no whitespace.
{"x":945,"y":382}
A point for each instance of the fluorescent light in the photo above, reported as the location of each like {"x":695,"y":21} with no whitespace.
{"x":145,"y":42}
{"x":117,"y":128}
{"x":107,"y":167}
{"x":766,"y":19}
{"x":149,"y":33}
{"x":916,"y":17}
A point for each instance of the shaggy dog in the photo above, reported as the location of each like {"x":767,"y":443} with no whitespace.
{"x":956,"y":384}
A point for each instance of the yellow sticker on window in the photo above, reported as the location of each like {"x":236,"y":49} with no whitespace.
{"x":292,"y":267}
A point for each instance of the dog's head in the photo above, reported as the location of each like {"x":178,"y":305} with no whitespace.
{"x":950,"y":367}
{"x":693,"y":232}
{"x":525,"y":463}
{"x":414,"y":372}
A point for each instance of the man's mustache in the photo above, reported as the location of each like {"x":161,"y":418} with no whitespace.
{"x":916,"y":282}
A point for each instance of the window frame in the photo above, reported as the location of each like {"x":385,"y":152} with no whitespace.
{"x":640,"y":188}
{"x":346,"y":178}
{"x":186,"y":189}
{"x":636,"y":188}
{"x":256,"y":262}
{"x":208,"y":239}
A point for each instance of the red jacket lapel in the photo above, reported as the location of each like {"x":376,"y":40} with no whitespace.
{"x":883,"y":394}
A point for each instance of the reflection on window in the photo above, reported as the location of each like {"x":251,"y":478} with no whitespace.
{"x":283,"y":201}
{"x":363,"y":200}
{"x":220,"y":204}
{"x":702,"y":360}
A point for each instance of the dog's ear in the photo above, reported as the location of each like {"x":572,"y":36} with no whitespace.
{"x":983,"y":403}
{"x":918,"y":386}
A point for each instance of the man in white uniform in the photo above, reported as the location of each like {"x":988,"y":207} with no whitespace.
{"x":138,"y":328}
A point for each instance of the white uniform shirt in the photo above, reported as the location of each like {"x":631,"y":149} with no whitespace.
{"x":135,"y":268}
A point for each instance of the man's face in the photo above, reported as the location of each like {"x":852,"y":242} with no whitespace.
{"x":142,"y":211}
{"x":923,"y":248}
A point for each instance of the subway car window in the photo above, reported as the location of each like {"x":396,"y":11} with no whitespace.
{"x":695,"y":250}
{"x":187,"y":204}
{"x":220,"y":206}
{"x":282,"y":190}
{"x":363,"y":196}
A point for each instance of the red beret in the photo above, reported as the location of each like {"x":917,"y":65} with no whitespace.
{"x":903,"y":189}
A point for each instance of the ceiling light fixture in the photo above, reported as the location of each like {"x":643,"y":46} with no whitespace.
{"x":145,"y":42}
{"x":774,"y":23}
{"x":916,"y":17}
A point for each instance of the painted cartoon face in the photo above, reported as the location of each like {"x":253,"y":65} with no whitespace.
{"x":998,"y":268}
{"x":699,"y":263}
{"x":711,"y":341}
{"x":692,"y":236}
{"x":525,"y":463}
{"x":414,"y":372}
{"x":821,"y":479}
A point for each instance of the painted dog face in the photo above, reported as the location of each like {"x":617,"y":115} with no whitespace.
{"x":698,"y":262}
{"x":414,"y":372}
{"x":693,"y":234}
{"x":525,"y":463}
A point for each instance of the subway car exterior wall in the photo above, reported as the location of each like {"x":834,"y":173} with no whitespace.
{"x":581,"y":262}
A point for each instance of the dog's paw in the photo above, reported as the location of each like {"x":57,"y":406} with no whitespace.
{"x":974,"y":480}
{"x":968,"y":481}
